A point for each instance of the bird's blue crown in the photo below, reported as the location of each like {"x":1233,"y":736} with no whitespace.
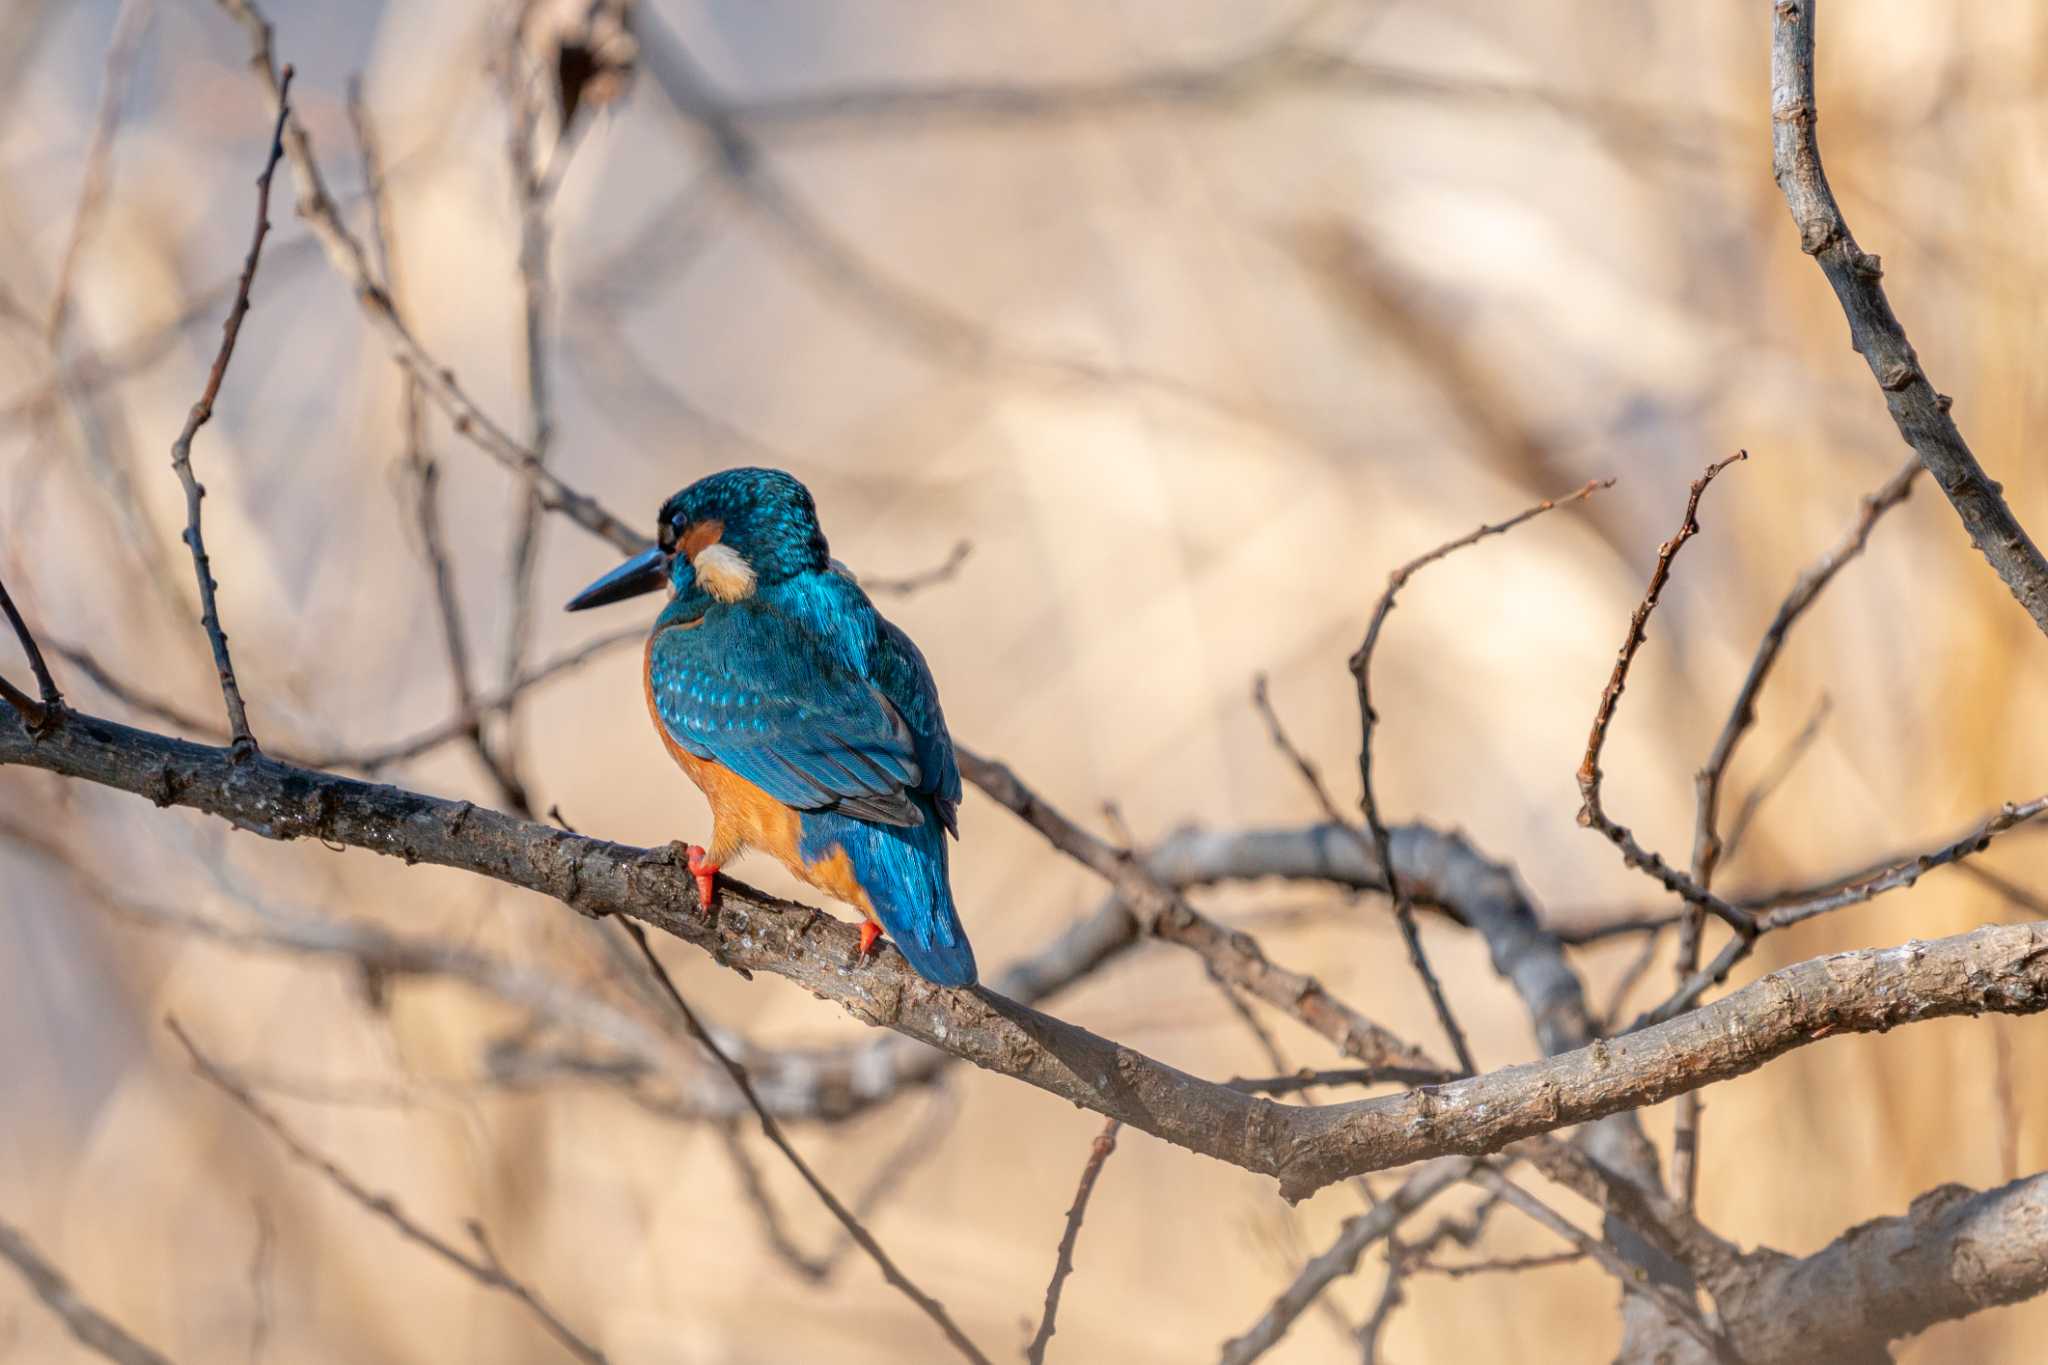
{"x":766,"y":515}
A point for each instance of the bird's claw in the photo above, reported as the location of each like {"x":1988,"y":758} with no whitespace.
{"x":705,"y":872}
{"x":870,"y":933}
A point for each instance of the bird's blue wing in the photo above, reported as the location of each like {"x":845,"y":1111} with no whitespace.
{"x":901,"y":674}
{"x":755,"y":689}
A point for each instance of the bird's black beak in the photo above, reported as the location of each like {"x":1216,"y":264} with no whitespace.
{"x":644,"y":572}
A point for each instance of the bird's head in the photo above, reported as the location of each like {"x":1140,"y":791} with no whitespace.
{"x":725,"y":535}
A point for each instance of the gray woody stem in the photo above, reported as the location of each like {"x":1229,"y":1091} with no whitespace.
{"x":2003,"y":968}
{"x":1922,"y":414}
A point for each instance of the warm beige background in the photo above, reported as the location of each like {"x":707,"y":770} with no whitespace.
{"x":1580,"y":212}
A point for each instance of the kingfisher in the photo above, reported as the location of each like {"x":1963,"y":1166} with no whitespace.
{"x":810,"y":722}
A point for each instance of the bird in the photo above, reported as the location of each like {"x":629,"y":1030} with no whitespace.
{"x":810,"y":722}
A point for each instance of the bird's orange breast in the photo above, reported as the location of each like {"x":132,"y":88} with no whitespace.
{"x":742,"y":815}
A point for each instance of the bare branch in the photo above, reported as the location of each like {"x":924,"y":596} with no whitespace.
{"x":906,"y":584}
{"x":1359,"y":1232}
{"x":1680,"y":1313}
{"x":1707,"y":845}
{"x":524,"y":104}
{"x":94,"y":1330}
{"x":1955,"y":1252}
{"x":346,"y":254}
{"x":1921,"y":414}
{"x":424,"y":474}
{"x":2002,"y":968}
{"x":129,"y":26}
{"x":1063,"y":1264}
{"x":1892,"y":878}
{"x":1591,"y":814}
{"x":39,"y":716}
{"x":772,"y":1130}
{"x":488,"y":1272}
{"x":1235,"y":956}
{"x":241,"y":740}
{"x":1361,"y":670}
{"x":1774,"y":777}
{"x":458,"y":726}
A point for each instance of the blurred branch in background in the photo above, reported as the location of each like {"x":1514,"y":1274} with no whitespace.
{"x":485,"y":1267}
{"x":93,"y":1329}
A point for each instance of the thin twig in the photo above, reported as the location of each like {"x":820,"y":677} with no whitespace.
{"x":1900,"y":874}
{"x":1391,"y":1298}
{"x":917,"y":1145}
{"x":241,"y":741}
{"x":906,"y":584}
{"x":1775,"y":777}
{"x":1708,"y":846}
{"x":530,"y":187}
{"x":1921,"y":414}
{"x":1682,"y":1314}
{"x":488,"y":1272}
{"x":129,"y":26}
{"x":424,"y":474}
{"x":94,"y":1330}
{"x":1359,"y":1232}
{"x":1162,"y":912}
{"x":1311,"y":775}
{"x":346,"y":254}
{"x":40,"y":715}
{"x":1591,"y":813}
{"x":772,"y":1130}
{"x":457,"y":727}
{"x":1063,"y":1264}
{"x":1638,"y":966}
{"x":1502,"y":1265}
{"x":1707,"y":842}
{"x":1361,"y":671}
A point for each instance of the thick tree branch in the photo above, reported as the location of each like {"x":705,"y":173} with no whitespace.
{"x":1955,"y":1252}
{"x":1921,"y":414}
{"x":2002,"y":968}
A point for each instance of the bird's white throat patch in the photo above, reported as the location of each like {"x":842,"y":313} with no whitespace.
{"x":724,"y":572}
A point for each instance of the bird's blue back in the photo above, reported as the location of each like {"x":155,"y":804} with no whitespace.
{"x":806,"y":691}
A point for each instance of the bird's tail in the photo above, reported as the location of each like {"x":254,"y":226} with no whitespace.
{"x":903,"y":871}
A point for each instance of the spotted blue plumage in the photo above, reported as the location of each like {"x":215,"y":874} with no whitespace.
{"x":802,"y":688}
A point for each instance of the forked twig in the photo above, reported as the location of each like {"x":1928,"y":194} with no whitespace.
{"x":1361,"y":670}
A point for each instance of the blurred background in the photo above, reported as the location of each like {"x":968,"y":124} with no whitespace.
{"x":1192,"y":319}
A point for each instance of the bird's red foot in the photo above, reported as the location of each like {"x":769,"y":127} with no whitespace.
{"x":870,"y":932}
{"x":706,"y":874}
